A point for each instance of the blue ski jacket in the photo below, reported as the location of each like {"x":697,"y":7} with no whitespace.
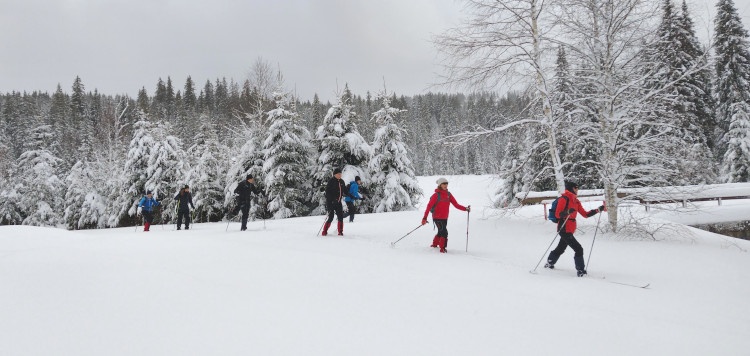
{"x":353,"y":192}
{"x":148,"y":204}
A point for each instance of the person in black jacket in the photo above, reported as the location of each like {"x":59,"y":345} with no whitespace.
{"x":335,"y":190}
{"x":242,"y":196}
{"x":184,"y":197}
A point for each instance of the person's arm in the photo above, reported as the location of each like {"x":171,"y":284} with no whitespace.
{"x":562,"y":210}
{"x":190,"y":200}
{"x":432,"y":201}
{"x":457,"y":205}
{"x":591,"y":212}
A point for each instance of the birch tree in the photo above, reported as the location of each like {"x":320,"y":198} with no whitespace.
{"x":504,"y":41}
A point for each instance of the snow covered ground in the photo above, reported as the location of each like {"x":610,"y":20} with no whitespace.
{"x":277,"y":289}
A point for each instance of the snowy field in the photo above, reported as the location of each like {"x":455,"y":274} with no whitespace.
{"x":277,"y":289}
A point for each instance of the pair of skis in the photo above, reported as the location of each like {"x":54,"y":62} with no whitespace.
{"x":604,"y":278}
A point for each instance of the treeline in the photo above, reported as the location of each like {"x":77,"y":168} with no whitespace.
{"x":81,"y":159}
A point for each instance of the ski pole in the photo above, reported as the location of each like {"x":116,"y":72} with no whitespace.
{"x":467,"y":228}
{"x":393,"y":244}
{"x":550,"y":244}
{"x":265,"y":208}
{"x":321,"y":226}
{"x":594,"y":239}
{"x":229,"y":219}
{"x":140,"y":222}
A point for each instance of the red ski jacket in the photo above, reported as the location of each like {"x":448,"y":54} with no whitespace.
{"x":571,"y":202}
{"x":442,"y":206}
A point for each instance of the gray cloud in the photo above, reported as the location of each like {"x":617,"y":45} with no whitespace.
{"x":120,"y":46}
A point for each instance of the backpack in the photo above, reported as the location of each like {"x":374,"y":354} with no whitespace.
{"x":551,"y":215}
{"x":432,"y":210}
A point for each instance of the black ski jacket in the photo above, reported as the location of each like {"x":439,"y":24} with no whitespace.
{"x":244,"y":191}
{"x":185,"y":199}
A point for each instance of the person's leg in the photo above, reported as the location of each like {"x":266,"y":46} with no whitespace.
{"x":442,"y":226}
{"x":329,"y":221}
{"x":578,"y":256}
{"x":350,"y":210}
{"x":340,"y":218}
{"x":245,"y":212}
{"x":187,"y":219}
{"x":148,"y":216}
{"x":179,"y":219}
{"x":554,"y":255}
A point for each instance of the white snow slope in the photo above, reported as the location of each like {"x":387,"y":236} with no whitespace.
{"x":277,"y":289}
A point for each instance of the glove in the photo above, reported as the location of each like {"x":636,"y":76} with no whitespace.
{"x":468,"y":209}
{"x":565,"y":213}
{"x":601,"y":208}
{"x":139,"y":210}
{"x":592,"y":212}
{"x":424,"y":221}
{"x":362,"y":198}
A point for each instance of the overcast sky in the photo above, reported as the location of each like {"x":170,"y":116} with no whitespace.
{"x":119,"y":46}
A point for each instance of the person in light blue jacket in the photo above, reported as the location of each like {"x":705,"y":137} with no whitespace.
{"x":353,"y":195}
{"x":146,"y":208}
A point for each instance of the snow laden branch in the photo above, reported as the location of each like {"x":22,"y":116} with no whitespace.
{"x":467,"y":136}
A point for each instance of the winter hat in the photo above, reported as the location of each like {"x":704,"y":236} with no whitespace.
{"x":570,"y":185}
{"x":356,"y":179}
{"x":249,"y":176}
{"x":337,"y":171}
{"x":186,"y":187}
{"x":148,"y":192}
{"x":441,"y":180}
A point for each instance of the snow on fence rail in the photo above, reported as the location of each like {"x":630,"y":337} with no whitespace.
{"x":650,"y":196}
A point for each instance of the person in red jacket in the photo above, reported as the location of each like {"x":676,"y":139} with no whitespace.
{"x":567,"y":210}
{"x":439,"y":205}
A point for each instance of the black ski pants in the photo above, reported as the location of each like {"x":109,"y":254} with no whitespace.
{"x":351,"y":210}
{"x":148,"y":216}
{"x":186,"y":215}
{"x":567,"y":239}
{"x":335,"y":208}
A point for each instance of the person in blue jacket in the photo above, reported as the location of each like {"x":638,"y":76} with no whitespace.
{"x":146,"y":208}
{"x":353,"y":195}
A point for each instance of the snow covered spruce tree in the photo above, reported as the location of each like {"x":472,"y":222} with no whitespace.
{"x":155,"y":162}
{"x":207,"y":173}
{"x":84,"y":204}
{"x":678,"y":66}
{"x":10,"y":212}
{"x":393,"y":184}
{"x":732,"y":88}
{"x":167,"y":169}
{"x":340,"y":146}
{"x":246,"y":158}
{"x":40,"y":191}
{"x":287,"y":152}
{"x":135,"y":170}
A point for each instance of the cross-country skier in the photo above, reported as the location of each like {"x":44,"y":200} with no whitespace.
{"x":335,"y":190}
{"x":439,"y":205}
{"x":146,"y":207}
{"x":353,"y":195}
{"x":183,"y":210}
{"x":569,"y":207}
{"x":242,"y":195}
